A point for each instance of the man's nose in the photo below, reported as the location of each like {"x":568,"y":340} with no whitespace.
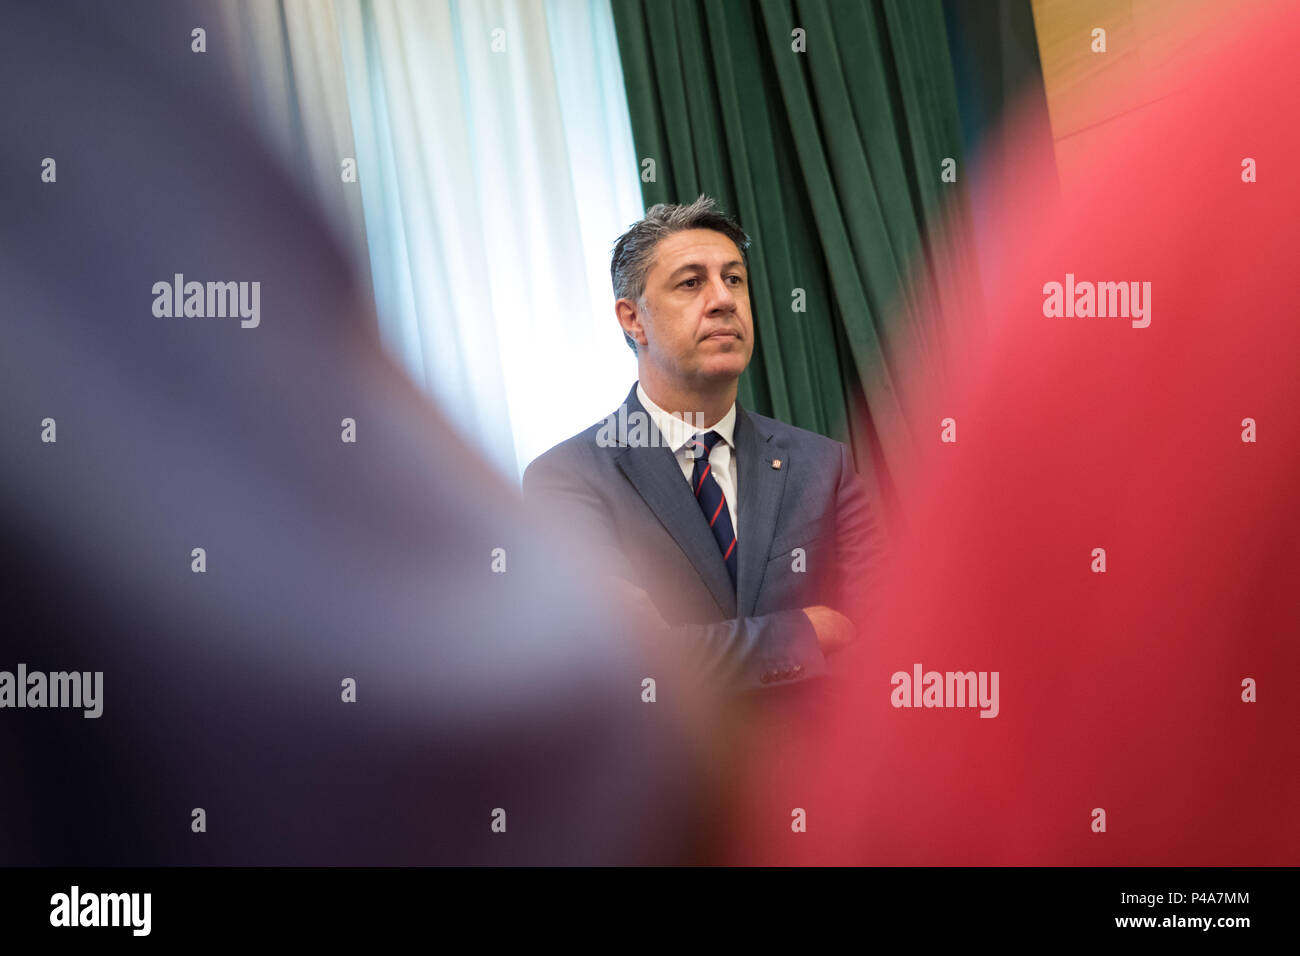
{"x":721,"y":296}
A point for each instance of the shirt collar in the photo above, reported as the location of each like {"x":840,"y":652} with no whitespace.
{"x":678,"y":432}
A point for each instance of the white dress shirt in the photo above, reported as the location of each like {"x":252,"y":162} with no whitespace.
{"x":677,"y":432}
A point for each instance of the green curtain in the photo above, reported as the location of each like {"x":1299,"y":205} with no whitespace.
{"x":831,"y":160}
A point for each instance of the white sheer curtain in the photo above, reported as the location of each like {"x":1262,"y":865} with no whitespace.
{"x":495,"y":166}
{"x":288,"y":55}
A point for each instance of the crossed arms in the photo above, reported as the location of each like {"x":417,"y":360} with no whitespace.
{"x":743,"y":653}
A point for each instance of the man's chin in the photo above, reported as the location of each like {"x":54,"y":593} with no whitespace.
{"x":722,"y":368}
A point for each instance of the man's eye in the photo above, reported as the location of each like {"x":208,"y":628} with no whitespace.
{"x":736,"y":277}
{"x":688,"y":283}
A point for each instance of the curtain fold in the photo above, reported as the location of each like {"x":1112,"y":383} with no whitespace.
{"x":831,"y":159}
{"x":494,"y":167}
{"x":289,"y":68}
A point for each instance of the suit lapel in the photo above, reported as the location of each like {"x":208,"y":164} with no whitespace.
{"x":760,"y":487}
{"x":657,"y":477}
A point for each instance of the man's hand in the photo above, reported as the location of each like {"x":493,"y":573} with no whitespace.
{"x":834,"y":630}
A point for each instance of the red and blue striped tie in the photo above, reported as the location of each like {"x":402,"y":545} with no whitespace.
{"x":712,"y":501}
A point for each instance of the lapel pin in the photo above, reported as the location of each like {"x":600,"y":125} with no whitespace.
{"x":776,"y":463}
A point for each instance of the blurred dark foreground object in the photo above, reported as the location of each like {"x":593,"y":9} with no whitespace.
{"x":476,"y":691}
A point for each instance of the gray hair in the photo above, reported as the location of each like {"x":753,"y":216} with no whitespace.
{"x":634,"y":250}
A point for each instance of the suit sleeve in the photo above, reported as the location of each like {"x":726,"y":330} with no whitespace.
{"x":735,"y":655}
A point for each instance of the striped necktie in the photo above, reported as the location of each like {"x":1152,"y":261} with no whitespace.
{"x":712,"y":501}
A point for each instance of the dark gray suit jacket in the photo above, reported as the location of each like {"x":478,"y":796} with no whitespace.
{"x":807,"y":535}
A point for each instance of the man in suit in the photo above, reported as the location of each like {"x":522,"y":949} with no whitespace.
{"x":749,"y":539}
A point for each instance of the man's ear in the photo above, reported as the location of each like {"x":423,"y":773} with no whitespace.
{"x":629,"y":317}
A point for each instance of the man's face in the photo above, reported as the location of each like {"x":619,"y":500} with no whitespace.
{"x":696,"y":315}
